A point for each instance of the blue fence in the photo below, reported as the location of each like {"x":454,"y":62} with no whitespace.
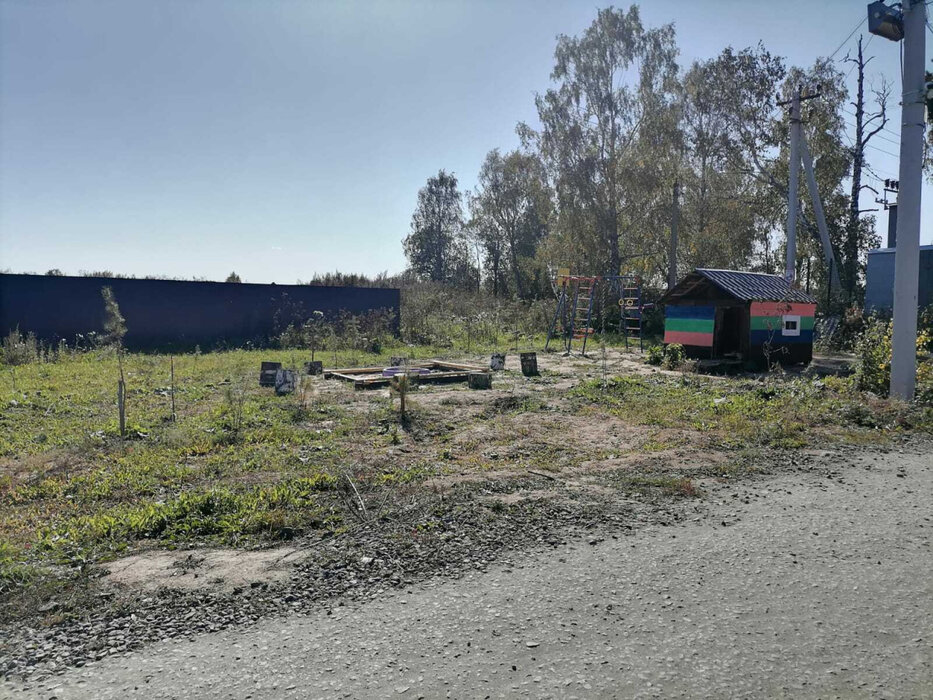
{"x":169,"y":314}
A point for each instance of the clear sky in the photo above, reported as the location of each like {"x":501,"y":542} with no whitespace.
{"x":284,"y":138}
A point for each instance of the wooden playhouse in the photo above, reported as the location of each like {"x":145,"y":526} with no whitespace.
{"x":726,"y":314}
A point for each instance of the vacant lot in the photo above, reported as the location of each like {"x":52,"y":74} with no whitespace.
{"x":97,"y":532}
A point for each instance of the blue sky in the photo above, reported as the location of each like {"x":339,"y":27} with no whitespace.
{"x":280,"y":139}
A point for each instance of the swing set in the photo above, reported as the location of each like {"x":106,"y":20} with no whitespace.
{"x":574,"y":314}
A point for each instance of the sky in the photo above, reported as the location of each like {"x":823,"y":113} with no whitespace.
{"x":280,"y":139}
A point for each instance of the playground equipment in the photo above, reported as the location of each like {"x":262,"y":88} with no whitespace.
{"x":574,"y":313}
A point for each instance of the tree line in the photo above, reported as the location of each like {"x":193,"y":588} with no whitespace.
{"x":591,"y":187}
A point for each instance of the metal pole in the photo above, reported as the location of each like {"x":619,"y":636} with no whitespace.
{"x":672,"y":257}
{"x":907,"y":257}
{"x":790,"y":269}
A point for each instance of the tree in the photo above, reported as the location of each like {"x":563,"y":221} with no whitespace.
{"x":114,"y":330}
{"x":54,"y":272}
{"x":233,"y":278}
{"x":928,"y":146}
{"x":858,"y":237}
{"x":436,"y":247}
{"x":606,"y":130}
{"x":719,"y":226}
{"x":509,"y":216}
{"x":114,"y":323}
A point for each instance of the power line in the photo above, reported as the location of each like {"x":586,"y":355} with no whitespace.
{"x":884,"y":128}
{"x":868,"y":145}
{"x":855,"y":63}
{"x":851,"y":34}
{"x":881,"y":150}
{"x":877,"y":135}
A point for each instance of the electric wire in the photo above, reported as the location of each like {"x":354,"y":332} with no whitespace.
{"x":855,"y":62}
{"x":851,"y":34}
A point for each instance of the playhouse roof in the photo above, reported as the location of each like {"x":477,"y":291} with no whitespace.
{"x":746,"y":286}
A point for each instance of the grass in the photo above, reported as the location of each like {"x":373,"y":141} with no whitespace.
{"x":742,"y":414}
{"x":242,"y":467}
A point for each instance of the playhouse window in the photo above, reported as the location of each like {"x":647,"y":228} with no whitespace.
{"x":790,"y":325}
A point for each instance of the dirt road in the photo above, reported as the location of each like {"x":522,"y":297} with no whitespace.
{"x":799,"y":585}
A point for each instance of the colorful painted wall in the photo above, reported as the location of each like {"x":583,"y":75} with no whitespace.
{"x":781,"y":323}
{"x":689,"y":325}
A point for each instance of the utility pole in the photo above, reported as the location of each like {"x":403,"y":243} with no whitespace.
{"x":907,"y":257}
{"x":907,"y":23}
{"x":790,"y":268}
{"x":793,"y":167}
{"x":672,"y":256}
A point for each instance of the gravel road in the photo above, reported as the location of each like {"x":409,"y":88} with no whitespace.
{"x":815,"y":583}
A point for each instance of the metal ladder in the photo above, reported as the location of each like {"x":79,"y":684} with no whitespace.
{"x":574,"y":311}
{"x":630,"y":302}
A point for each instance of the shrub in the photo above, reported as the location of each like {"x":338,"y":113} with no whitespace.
{"x":873,"y":357}
{"x":19,"y":349}
{"x":674,"y":356}
{"x":655,"y":355}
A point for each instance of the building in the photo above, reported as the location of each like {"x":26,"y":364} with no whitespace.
{"x":879,"y":279}
{"x":740,"y":315}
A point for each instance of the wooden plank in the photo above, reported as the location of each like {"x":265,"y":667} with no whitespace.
{"x":456,"y":365}
{"x":354,"y":370}
{"x":373,"y":370}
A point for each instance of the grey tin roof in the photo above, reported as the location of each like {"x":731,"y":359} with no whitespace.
{"x":751,"y":286}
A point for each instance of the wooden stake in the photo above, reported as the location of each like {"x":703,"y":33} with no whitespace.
{"x":172,"y":359}
{"x":121,"y":406}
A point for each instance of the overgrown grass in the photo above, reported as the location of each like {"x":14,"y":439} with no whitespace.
{"x":239,"y":465}
{"x":220,"y":514}
{"x":783,"y":413}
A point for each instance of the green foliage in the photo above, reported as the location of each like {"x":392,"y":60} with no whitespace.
{"x":436,"y":248}
{"x":234,"y":410}
{"x":873,"y":353}
{"x":742,"y":414}
{"x":223,"y":514}
{"x":655,"y":355}
{"x":14,"y":571}
{"x":674,"y":356}
{"x":509,"y":215}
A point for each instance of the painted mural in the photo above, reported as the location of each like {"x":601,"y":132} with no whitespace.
{"x":689,"y":325}
{"x":779,"y":322}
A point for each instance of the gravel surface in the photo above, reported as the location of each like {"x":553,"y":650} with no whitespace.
{"x":813,"y":583}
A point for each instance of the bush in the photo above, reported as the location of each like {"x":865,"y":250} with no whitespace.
{"x":873,"y":359}
{"x":655,"y":355}
{"x":19,"y":349}
{"x":674,"y":356}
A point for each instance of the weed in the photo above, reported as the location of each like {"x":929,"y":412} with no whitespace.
{"x":655,"y":355}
